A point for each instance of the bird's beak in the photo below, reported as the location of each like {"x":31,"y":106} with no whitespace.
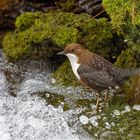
{"x":61,"y":53}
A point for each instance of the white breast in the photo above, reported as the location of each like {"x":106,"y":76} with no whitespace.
{"x":73,"y":61}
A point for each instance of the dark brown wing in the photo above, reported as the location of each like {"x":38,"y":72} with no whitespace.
{"x":96,"y":79}
{"x":100,"y":63}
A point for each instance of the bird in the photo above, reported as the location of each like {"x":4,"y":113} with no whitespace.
{"x":95,"y":71}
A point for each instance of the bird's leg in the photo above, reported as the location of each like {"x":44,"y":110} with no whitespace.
{"x":106,"y":96}
{"x":97,"y":103}
{"x":96,"y":109}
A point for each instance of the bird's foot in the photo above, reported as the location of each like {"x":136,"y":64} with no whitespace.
{"x":91,"y":113}
{"x":96,"y":108}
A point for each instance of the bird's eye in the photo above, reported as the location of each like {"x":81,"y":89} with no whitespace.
{"x":72,"y":50}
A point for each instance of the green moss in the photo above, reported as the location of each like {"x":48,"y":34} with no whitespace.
{"x":33,"y":29}
{"x":126,"y":125}
{"x":118,"y":10}
{"x":54,"y":99}
{"x":66,"y":5}
{"x":66,"y":35}
{"x":132,"y":90}
{"x":125,"y":17}
{"x":127,"y":59}
{"x":23,"y":22}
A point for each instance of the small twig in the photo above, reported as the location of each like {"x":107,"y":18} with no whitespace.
{"x":99,"y":13}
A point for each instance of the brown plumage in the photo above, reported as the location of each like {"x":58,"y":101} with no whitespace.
{"x":97,"y":72}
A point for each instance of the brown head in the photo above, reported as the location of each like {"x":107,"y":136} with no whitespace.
{"x":73,"y":48}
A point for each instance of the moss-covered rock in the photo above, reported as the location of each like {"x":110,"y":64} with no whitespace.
{"x":124,"y":17}
{"x":127,"y":58}
{"x":132,"y":90}
{"x":60,"y":29}
{"x":119,"y":126}
{"x":134,"y":93}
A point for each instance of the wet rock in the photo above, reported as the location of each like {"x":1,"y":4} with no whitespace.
{"x":93,"y":7}
{"x":8,"y":13}
{"x":10,"y":9}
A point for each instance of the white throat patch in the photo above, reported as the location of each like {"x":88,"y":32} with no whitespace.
{"x":74,"y":63}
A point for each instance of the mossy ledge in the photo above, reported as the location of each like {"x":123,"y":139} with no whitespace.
{"x":36,"y":31}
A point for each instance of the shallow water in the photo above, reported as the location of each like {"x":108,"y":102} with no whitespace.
{"x":25,"y":115}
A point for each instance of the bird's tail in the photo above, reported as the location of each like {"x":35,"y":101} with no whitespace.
{"x":134,"y":72}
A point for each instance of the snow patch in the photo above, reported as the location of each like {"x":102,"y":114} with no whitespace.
{"x":84,"y":119}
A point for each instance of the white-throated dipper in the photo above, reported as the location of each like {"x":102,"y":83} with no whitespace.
{"x":94,"y":70}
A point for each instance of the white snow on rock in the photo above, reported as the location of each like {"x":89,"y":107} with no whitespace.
{"x":136,"y":107}
{"x":34,"y":120}
{"x":53,"y":80}
{"x":93,"y":121}
{"x":3,"y":89}
{"x":28,"y":117}
{"x":116,"y":112}
{"x":107,"y":125}
{"x":127,"y":109}
{"x":84,"y":119}
{"x":4,"y":134}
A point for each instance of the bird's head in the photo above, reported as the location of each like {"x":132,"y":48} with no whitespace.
{"x":72,"y":49}
{"x":73,"y":52}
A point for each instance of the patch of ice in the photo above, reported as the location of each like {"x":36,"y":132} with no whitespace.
{"x":116,"y":112}
{"x":136,"y":107}
{"x":125,"y":40}
{"x":112,"y":124}
{"x":33,"y":86}
{"x":127,"y":109}
{"x":104,"y":118}
{"x":32,"y":119}
{"x":93,"y":121}
{"x":93,"y":106}
{"x":28,"y":117}
{"x":107,"y":125}
{"x":3,"y":88}
{"x":84,"y":119}
{"x":4,"y":134}
{"x":53,"y":80}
